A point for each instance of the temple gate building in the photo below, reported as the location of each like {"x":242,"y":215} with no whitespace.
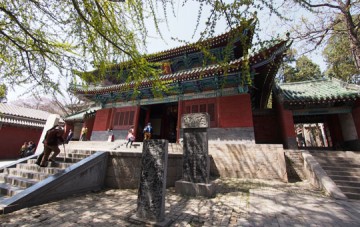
{"x":236,"y":96}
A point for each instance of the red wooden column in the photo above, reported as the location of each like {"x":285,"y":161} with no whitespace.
{"x":136,"y":121}
{"x":356,"y":116}
{"x":89,"y":122}
{"x":287,"y":127}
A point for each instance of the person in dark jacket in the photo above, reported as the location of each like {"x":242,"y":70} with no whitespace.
{"x":53,"y":138}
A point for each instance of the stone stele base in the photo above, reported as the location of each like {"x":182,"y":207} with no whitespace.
{"x":136,"y":220}
{"x":195,"y":189}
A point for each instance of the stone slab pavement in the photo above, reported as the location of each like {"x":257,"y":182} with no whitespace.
{"x":238,"y":203}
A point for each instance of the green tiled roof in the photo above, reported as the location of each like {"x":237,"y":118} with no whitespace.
{"x":318,"y":91}
{"x":80,"y":115}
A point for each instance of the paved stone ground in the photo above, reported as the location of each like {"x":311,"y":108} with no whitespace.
{"x":238,"y":203}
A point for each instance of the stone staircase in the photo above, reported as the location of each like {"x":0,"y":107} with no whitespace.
{"x":25,"y":173}
{"x":294,"y":165}
{"x":343,"y":167}
{"x":117,"y":146}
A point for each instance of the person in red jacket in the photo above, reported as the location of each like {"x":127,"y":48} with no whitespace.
{"x":53,"y":138}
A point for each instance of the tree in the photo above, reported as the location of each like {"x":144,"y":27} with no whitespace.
{"x":339,"y":58}
{"x":329,"y":14}
{"x":304,"y":69}
{"x":3,"y":92}
{"x":43,"y":38}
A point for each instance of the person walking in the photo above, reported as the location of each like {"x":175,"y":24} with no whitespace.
{"x":69,"y":137}
{"x":130,"y":137}
{"x":147,"y":131}
{"x":53,"y":138}
{"x":84,"y":131}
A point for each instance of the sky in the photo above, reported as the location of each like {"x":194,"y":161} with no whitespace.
{"x":182,"y":26}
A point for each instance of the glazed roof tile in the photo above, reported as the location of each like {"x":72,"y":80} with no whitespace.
{"x":11,"y":110}
{"x":318,"y":91}
{"x":221,"y":40}
{"x":80,"y":115}
{"x":256,"y":60}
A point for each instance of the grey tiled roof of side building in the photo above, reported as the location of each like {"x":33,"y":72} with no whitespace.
{"x":11,"y":110}
{"x":324,"y":89}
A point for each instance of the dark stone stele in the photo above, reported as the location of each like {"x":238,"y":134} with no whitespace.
{"x":152,"y":188}
{"x":196,"y":162}
{"x":196,"y":168}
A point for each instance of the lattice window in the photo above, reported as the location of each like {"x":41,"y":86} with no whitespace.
{"x":203,"y":107}
{"x":124,"y":118}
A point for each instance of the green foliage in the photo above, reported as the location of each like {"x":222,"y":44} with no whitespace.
{"x":304,"y":69}
{"x":43,"y":38}
{"x":334,"y":20}
{"x":339,"y":57}
{"x":3,"y":92}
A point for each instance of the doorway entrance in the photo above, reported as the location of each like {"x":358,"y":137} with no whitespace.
{"x":163,"y":118}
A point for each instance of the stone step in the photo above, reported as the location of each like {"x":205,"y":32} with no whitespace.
{"x":2,"y":198}
{"x":78,"y":151}
{"x":347,"y":189}
{"x":69,"y":159}
{"x":337,"y":154}
{"x":8,"y":190}
{"x":26,"y":174}
{"x":20,"y":182}
{"x":344,"y":178}
{"x":344,"y":172}
{"x":348,"y":183}
{"x":351,"y":195}
{"x":347,"y":165}
{"x":341,"y":168}
{"x":34,"y":167}
{"x":338,"y":161}
{"x":73,"y":157}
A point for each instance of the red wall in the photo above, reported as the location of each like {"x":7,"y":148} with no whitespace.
{"x":334,"y":125}
{"x":102,"y":120}
{"x":235,"y":111}
{"x":287,"y":126}
{"x":12,"y":138}
{"x":89,"y":122}
{"x":230,"y":111}
{"x":356,"y":116}
{"x":266,"y":128}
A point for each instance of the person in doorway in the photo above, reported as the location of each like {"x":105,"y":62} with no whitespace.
{"x":83,"y":133}
{"x":130,"y":137}
{"x":53,"y":138}
{"x":147,"y":131}
{"x":69,"y":137}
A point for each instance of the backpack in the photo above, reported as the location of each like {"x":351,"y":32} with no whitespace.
{"x":48,"y":131}
{"x":148,"y":129}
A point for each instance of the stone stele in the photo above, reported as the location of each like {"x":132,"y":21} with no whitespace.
{"x":152,"y":188}
{"x":196,"y":162}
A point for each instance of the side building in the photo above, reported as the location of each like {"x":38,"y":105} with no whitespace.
{"x":17,"y":126}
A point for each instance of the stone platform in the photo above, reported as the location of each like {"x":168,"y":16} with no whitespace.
{"x":240,"y":203}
